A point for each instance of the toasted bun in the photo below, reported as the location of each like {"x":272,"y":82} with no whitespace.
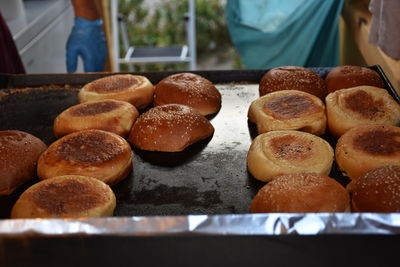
{"x":367,"y":147}
{"x":378,"y":190}
{"x":283,"y":152}
{"x":135,"y":89}
{"x":362,"y":105}
{"x":109,"y":115}
{"x":169,"y":128}
{"x":94,"y":153}
{"x":188,"y":89}
{"x":288,"y":110}
{"x":301,"y":192}
{"x":292,"y":78}
{"x":69,"y":196}
{"x":19,"y":152}
{"x":343,"y":77}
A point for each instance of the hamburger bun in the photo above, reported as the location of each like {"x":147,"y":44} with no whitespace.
{"x":288,"y":110}
{"x":94,"y":153}
{"x":188,"y":89}
{"x":135,"y":89}
{"x":378,"y":190}
{"x":69,"y":196}
{"x":292,"y":78}
{"x":284,"y":152}
{"x":342,"y":77}
{"x":362,"y":105}
{"x":301,"y":192}
{"x":367,"y":147}
{"x":169,"y":128}
{"x":109,"y":115}
{"x":19,"y":152}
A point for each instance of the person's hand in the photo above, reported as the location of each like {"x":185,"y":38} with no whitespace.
{"x":87,"y":41}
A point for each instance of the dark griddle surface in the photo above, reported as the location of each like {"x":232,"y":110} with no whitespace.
{"x":209,"y":177}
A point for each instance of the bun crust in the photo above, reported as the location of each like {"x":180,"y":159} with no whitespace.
{"x":135,"y":89}
{"x":347,"y":76}
{"x":367,"y":147}
{"x":109,"y":115}
{"x":284,"y":152}
{"x":288,"y":110}
{"x":301,"y":192}
{"x":19,"y":152}
{"x":188,"y":89}
{"x":169,"y":128}
{"x":292,"y":78}
{"x":362,"y":105}
{"x":69,"y":196}
{"x":94,"y":153}
{"x":378,"y":190}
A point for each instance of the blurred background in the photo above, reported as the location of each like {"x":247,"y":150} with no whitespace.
{"x":209,"y":34}
{"x":164,"y":23}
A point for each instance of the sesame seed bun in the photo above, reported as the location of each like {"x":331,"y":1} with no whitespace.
{"x":378,"y":190}
{"x":188,"y":89}
{"x":301,"y":192}
{"x":169,"y":128}
{"x":94,"y":153}
{"x":362,"y":105}
{"x":283,"y":152}
{"x":288,"y":110}
{"x":19,"y":153}
{"x":292,"y":78}
{"x":367,"y":147}
{"x":69,"y":196}
{"x":109,"y":115}
{"x":342,"y":77}
{"x":135,"y":89}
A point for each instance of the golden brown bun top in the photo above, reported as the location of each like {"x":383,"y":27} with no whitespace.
{"x":292,"y":78}
{"x":169,"y":128}
{"x":188,"y":89}
{"x":377,"y":190}
{"x":114,"y":83}
{"x":15,"y":145}
{"x":293,"y":105}
{"x":346,"y":76}
{"x":301,"y":192}
{"x":91,"y":147}
{"x":19,"y":153}
{"x":375,"y":140}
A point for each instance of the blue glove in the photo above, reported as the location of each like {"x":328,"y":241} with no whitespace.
{"x":87,"y":41}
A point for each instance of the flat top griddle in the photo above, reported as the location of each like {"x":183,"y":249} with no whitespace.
{"x":210,"y":177}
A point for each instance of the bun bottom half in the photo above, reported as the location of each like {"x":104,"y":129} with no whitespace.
{"x":284,"y":152}
{"x":69,"y":196}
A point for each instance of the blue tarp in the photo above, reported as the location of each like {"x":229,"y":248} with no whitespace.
{"x":271,"y":33}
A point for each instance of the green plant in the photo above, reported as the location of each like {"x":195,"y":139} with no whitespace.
{"x":163,"y":24}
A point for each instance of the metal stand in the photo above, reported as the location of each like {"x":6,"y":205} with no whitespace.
{"x":154,"y":54}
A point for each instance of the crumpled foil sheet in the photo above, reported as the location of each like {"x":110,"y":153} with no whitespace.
{"x":241,"y":224}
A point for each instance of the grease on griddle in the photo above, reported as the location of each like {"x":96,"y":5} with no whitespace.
{"x":185,"y":196}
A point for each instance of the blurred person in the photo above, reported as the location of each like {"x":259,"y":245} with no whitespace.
{"x":86,"y":41}
{"x":10,"y":61}
{"x":87,"y":38}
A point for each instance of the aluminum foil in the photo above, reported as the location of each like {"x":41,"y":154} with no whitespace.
{"x":225,"y":148}
{"x":241,"y":224}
